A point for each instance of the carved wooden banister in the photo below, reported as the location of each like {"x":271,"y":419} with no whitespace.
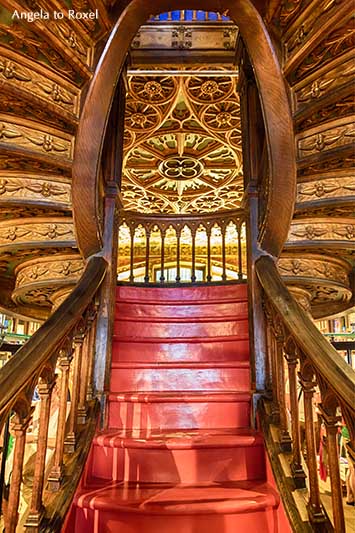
{"x":229,"y":257}
{"x":66,"y":339}
{"x":327,"y":393}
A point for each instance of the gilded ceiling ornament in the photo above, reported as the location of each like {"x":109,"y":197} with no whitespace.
{"x":204,"y":90}
{"x":159,"y":90}
{"x":223,"y":116}
{"x":141,"y":117}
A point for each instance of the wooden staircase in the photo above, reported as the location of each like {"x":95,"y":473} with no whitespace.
{"x":179,"y":454}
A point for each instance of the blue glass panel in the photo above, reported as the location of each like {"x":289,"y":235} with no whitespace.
{"x":212,"y":16}
{"x":201,"y":15}
{"x":188,"y":14}
{"x":175,"y":15}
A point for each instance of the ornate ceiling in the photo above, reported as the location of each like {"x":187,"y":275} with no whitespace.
{"x":182,"y":144}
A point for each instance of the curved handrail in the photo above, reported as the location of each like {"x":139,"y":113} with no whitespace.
{"x":324,"y":358}
{"x":19,"y":370}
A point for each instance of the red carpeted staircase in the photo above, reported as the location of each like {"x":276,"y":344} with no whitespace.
{"x":179,"y":455}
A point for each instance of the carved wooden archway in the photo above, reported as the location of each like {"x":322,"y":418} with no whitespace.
{"x":274,"y":102}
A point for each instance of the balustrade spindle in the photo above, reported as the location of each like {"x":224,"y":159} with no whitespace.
{"x":36,"y":506}
{"x":314,"y":503}
{"x":86,"y":355}
{"x":285,"y":440}
{"x":275,"y":392}
{"x":194,"y":15}
{"x":178,"y":237}
{"x":147,"y":251}
{"x":19,"y":429}
{"x":162,"y":257}
{"x":240,"y":259}
{"x":70,"y":439}
{"x":209,"y":276}
{"x":224,"y":273}
{"x":296,"y":464}
{"x":182,"y":14}
{"x":193,"y":256}
{"x":56,"y":474}
{"x":332,"y":426}
{"x":131,"y":263}
{"x":91,"y":342}
{"x":169,"y":16}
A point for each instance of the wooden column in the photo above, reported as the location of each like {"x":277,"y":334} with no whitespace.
{"x":296,"y":464}
{"x":56,"y":473}
{"x":131,"y":265}
{"x":147,"y":252}
{"x":178,"y":237}
{"x":209,"y":276}
{"x":193,"y":256}
{"x":285,"y":439}
{"x":240,"y":256}
{"x":224,"y":275}
{"x":314,"y":506}
{"x":87,"y":355}
{"x":332,"y":425}
{"x":70,"y":439}
{"x":162,"y":256}
{"x":36,"y":506}
{"x":19,"y":429}
{"x":91,"y":342}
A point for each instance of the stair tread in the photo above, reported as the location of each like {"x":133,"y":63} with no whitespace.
{"x":180,"y":396}
{"x":156,"y":498}
{"x":179,"y":439}
{"x":181,"y":364}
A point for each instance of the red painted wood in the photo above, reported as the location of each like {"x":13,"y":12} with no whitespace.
{"x":179,"y":455}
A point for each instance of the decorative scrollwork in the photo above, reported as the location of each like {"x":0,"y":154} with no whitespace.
{"x":205,"y":90}
{"x":223,"y":116}
{"x":153,"y":90}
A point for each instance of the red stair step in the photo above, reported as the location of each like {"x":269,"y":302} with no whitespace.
{"x":211,"y":294}
{"x":164,"y":311}
{"x":216,"y":508}
{"x":230,"y":349}
{"x":177,"y":330}
{"x":127,"y":377}
{"x":179,"y":409}
{"x":183,"y":457}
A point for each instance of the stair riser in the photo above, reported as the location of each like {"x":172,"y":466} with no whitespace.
{"x":190,"y":379}
{"x":183,"y":294}
{"x":110,"y":522}
{"x":161,"y":311}
{"x":139,"y":329}
{"x":236,"y":350}
{"x":183,"y":415}
{"x":178,"y":466}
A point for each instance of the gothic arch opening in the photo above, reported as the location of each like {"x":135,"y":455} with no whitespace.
{"x":274,"y":105}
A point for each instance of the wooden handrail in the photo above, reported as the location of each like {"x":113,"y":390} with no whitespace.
{"x":335,"y":371}
{"x":57,"y":359}
{"x":15,"y":375}
{"x":326,"y":393}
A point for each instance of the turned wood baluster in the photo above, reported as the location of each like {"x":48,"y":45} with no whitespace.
{"x":178,"y":238}
{"x":147,"y":251}
{"x":131,"y":273}
{"x":56,"y":474}
{"x":70,"y":439}
{"x":83,"y":382}
{"x":36,"y":507}
{"x":296,"y":464}
{"x":162,"y":257}
{"x":19,"y":429}
{"x":209,"y":276}
{"x":193,"y":256}
{"x":240,"y":260}
{"x":332,"y":424}
{"x":285,"y":439}
{"x":91,"y":343}
{"x":314,"y":503}
{"x":224,"y":274}
{"x":275,"y":409}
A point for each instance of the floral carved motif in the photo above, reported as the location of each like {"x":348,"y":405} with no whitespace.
{"x":322,"y":231}
{"x":68,"y":269}
{"x":35,"y":140}
{"x":327,"y":188}
{"x":36,"y":189}
{"x":338,"y":42}
{"x":29,"y":231}
{"x":324,"y":140}
{"x":314,"y":268}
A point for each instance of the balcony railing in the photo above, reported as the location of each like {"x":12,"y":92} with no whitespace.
{"x":156,"y":249}
{"x":190,"y":15}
